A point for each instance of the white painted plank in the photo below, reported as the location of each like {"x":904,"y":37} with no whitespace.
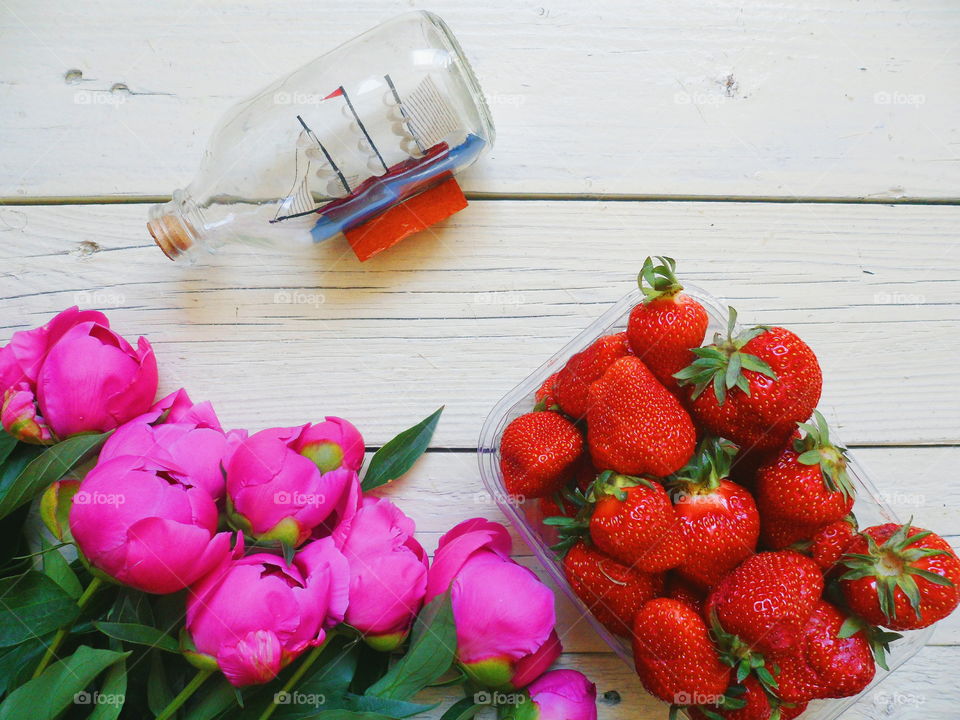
{"x":785,"y":98}
{"x":459,"y":316}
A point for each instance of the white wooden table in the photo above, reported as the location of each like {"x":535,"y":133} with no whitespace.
{"x":801,"y":159}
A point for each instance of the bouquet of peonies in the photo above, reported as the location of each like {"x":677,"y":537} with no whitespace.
{"x":171,"y":550}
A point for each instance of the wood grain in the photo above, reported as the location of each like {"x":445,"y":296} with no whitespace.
{"x":785,"y":98}
{"x":460,"y":315}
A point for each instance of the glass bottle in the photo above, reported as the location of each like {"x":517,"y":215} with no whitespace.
{"x":383,"y":121}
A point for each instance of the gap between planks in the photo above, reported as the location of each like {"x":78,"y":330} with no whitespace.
{"x":41,"y":200}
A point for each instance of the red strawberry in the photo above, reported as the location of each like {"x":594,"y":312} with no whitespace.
{"x":612,"y":591}
{"x":831,"y":542}
{"x":679,"y":588}
{"x":674,"y":655}
{"x":549,"y":507}
{"x":668,"y":322}
{"x":717,"y":516}
{"x":807,"y":482}
{"x":634,"y":425}
{"x":634,"y":521}
{"x":901,"y":577}
{"x":762,"y":383}
{"x":767,"y":600}
{"x":779,"y":534}
{"x":828,"y":661}
{"x":572,"y":386}
{"x":537,"y":453}
{"x":544,"y":396}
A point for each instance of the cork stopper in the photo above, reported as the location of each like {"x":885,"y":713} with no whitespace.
{"x":172,"y":234}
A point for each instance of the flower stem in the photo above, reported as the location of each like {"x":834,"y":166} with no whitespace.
{"x":309,"y":660}
{"x":64,"y":631}
{"x":184,"y":694}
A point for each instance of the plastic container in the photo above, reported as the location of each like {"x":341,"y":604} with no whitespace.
{"x":525,"y":516}
{"x":382,"y":120}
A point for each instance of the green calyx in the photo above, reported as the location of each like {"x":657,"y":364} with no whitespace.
{"x":892,"y":565}
{"x":572,"y":529}
{"x":722,"y":363}
{"x":657,"y":280}
{"x":709,"y":465}
{"x":815,"y":448}
{"x":742,"y":657}
{"x":878,"y":638}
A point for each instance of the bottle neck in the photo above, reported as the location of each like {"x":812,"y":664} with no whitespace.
{"x":177,"y":226}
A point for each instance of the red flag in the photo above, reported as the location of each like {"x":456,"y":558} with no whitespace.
{"x":336,"y":93}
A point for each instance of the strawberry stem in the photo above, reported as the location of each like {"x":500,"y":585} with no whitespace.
{"x":662,"y":280}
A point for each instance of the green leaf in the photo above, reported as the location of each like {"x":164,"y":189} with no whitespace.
{"x":55,"y":462}
{"x":45,"y":697}
{"x":215,"y":699}
{"x":809,"y":457}
{"x":7,"y":444}
{"x":398,"y":456}
{"x":139,"y":635}
{"x":32,"y":604}
{"x":56,"y":567}
{"x":14,"y":659}
{"x":391,"y":708}
{"x":432,"y":648}
{"x":159,"y":693}
{"x":349,"y":715}
{"x":463,"y":709}
{"x":112,"y":693}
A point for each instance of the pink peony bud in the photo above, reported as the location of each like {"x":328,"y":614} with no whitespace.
{"x":135,"y":523}
{"x":254,"y":615}
{"x":504,"y":615}
{"x":388,"y":572}
{"x":332,"y":444}
{"x":73,"y":375}
{"x":186,"y":438}
{"x":557,"y":695}
{"x":275,"y":493}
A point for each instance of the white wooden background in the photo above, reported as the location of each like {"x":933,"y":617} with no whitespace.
{"x":801,"y":159}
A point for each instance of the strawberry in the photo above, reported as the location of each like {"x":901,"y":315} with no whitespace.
{"x":555,"y":506}
{"x":830,"y":661}
{"x":674,"y":655}
{"x":634,"y":425}
{"x":767,"y":599}
{"x":679,"y":588}
{"x":544,"y":396}
{"x":779,"y":534}
{"x":831,"y":542}
{"x":807,"y":482}
{"x":901,"y":577}
{"x":572,"y":386}
{"x":612,"y":591}
{"x":537,"y":454}
{"x":668,"y":322}
{"x":764,"y":381}
{"x":634,"y":521}
{"x":717,"y":516}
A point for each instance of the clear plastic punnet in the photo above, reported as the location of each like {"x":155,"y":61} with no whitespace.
{"x":525,"y":517}
{"x":364,"y":141}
